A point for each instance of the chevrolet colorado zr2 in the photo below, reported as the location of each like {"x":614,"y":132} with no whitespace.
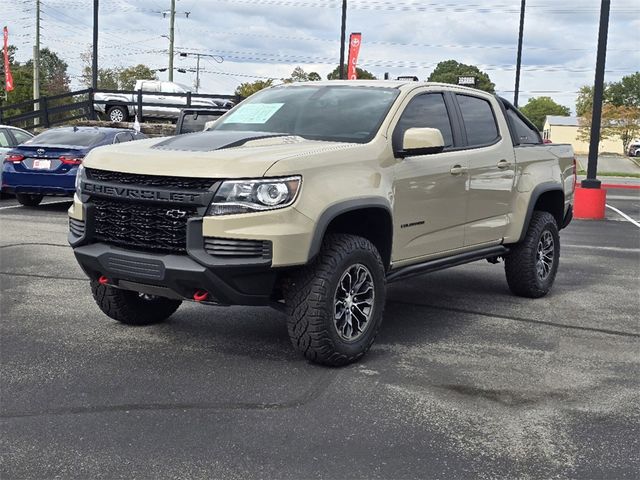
{"x":312,"y":197}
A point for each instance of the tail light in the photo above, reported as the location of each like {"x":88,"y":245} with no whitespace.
{"x":14,"y":158}
{"x":71,"y":160}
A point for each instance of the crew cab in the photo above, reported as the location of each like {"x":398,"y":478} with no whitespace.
{"x":162,"y":100}
{"x":311,"y":197}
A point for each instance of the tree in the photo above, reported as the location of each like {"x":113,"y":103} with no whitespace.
{"x":449,"y":71}
{"x":537,"y":110}
{"x":626,"y":92}
{"x":299,"y":75}
{"x":127,"y":76}
{"x":361,"y":73}
{"x":621,"y":122}
{"x":584,"y":101}
{"x":247,"y":89}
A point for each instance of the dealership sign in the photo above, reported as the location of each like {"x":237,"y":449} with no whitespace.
{"x":471,"y":81}
{"x":8,"y":78}
{"x":355,"y":39}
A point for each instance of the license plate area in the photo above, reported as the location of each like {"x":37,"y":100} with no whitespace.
{"x":41,"y":164}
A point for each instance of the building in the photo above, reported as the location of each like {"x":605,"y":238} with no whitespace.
{"x":565,"y":130}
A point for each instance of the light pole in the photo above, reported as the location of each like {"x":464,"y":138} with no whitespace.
{"x":519,"y":56}
{"x":343,"y":32}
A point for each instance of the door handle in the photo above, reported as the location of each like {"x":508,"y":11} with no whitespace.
{"x":502,"y":164}
{"x":457,"y":170}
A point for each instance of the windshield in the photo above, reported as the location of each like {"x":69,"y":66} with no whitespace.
{"x":78,"y":138}
{"x":331,"y":113}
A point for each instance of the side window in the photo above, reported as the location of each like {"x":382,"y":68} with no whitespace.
{"x":525,"y":134}
{"x":20,"y":136}
{"x":424,"y":111}
{"x":123,"y":137}
{"x":4,"y":139}
{"x":150,"y":86}
{"x":479,"y":121}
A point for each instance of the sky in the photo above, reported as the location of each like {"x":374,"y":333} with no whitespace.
{"x":257,"y":39}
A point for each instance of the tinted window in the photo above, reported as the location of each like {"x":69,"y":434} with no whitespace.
{"x":424,"y":111}
{"x":123,"y":137}
{"x":479,"y":122}
{"x":20,"y":136}
{"x":78,"y":138}
{"x":196,"y":122}
{"x":523,"y":132}
{"x":331,"y":113}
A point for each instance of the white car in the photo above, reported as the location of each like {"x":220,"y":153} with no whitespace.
{"x":10,"y":137}
{"x":634,"y":149}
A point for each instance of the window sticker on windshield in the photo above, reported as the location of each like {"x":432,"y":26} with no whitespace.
{"x":254,"y":113}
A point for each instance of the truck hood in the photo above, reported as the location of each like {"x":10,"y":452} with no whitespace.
{"x":215,"y":154}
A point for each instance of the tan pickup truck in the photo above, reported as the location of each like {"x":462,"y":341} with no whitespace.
{"x":312,"y":197}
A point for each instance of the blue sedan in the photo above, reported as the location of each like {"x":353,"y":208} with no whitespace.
{"x":47,"y":163}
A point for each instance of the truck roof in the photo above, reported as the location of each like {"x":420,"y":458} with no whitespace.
{"x":400,"y":84}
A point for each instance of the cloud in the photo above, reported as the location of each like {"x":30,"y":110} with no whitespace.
{"x":268,"y":38}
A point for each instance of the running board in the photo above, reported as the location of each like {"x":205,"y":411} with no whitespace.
{"x":442,"y":263}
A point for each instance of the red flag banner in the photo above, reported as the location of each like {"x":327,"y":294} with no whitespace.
{"x":355,"y":39}
{"x":8,"y":78}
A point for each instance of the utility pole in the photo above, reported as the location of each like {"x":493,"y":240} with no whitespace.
{"x":94,"y":59}
{"x":36,"y":63}
{"x":216,"y":58}
{"x":172,"y":22}
{"x":519,"y":57}
{"x":343,"y":30}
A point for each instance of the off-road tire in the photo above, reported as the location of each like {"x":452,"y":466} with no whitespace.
{"x":310,"y":295}
{"x":118,"y":108}
{"x":521,"y":263}
{"x":131,"y":307}
{"x":29,"y":199}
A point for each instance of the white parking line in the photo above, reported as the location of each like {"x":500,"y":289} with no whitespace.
{"x":47,"y":203}
{"x":599,"y":247}
{"x":624,"y":215}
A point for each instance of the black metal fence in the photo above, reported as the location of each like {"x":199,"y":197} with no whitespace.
{"x":81,"y":104}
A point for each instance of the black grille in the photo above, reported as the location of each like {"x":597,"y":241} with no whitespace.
{"x":177,"y":183}
{"x":223,"y":247}
{"x":76,"y":227}
{"x":151,"y":269}
{"x":142,"y":226}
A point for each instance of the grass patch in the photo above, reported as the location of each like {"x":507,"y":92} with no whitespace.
{"x":612,"y":174}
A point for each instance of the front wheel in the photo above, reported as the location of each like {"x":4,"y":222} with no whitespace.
{"x":29,"y":199}
{"x":335,"y":304}
{"x":132,"y":308}
{"x":531,"y":265}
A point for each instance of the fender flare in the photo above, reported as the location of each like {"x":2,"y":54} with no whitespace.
{"x":537,"y":192}
{"x":337,"y":209}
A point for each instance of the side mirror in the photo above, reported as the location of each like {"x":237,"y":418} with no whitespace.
{"x":421,"y":141}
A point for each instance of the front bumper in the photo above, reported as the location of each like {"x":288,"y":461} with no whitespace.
{"x":177,"y":276}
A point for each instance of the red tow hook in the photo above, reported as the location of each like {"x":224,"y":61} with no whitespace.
{"x":200,"y":295}
{"x":102,"y":280}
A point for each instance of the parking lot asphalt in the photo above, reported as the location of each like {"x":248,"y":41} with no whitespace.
{"x":464,"y":381}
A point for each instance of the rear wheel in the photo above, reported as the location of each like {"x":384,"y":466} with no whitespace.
{"x":335,"y":304}
{"x":29,"y":199}
{"x":118,"y":113}
{"x":531,"y":265}
{"x":132,"y":308}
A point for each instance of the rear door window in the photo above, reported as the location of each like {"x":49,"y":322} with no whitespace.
{"x":524,"y":134}
{"x":479,"y":120}
{"x":424,"y":111}
{"x":4,"y":138}
{"x":20,"y":136}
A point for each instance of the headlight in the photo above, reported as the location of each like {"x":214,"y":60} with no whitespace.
{"x":79,"y":175}
{"x":244,"y":196}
